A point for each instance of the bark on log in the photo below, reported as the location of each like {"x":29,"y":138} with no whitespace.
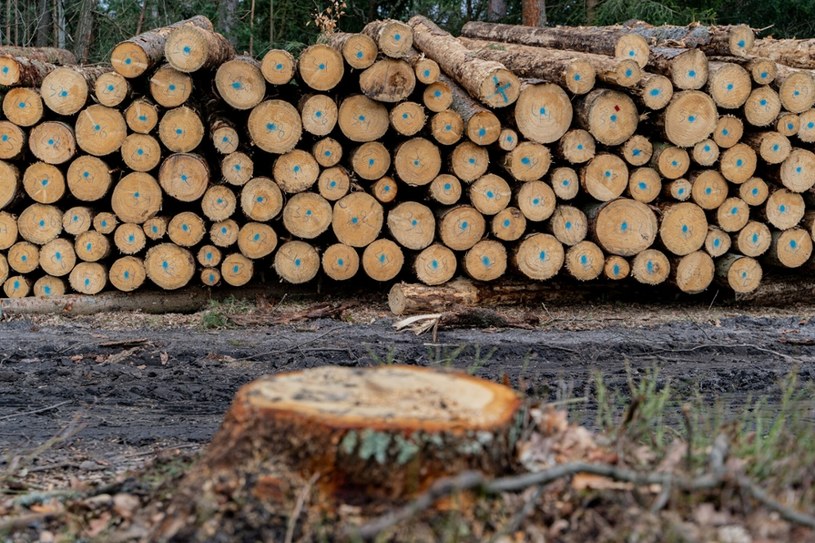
{"x":50,"y":55}
{"x":23,"y":72}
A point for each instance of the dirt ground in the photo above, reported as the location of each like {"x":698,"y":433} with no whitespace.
{"x":117,"y":389}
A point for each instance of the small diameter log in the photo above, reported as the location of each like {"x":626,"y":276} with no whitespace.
{"x":327,"y":152}
{"x":717,"y":242}
{"x":237,"y":168}
{"x":362,"y":119}
{"x":240,"y":83}
{"x":210,"y":277}
{"x":307,"y":215}
{"x":76,"y":220}
{"x":638,"y":150}
{"x":507,"y":139}
{"x":237,"y":270}
{"x":140,"y":152}
{"x":487,"y":81}
{"x":17,"y":286}
{"x":690,"y":118}
{"x":320,"y":67}
{"x":605,"y":177}
{"x":610,"y":116}
{"x":100,"y":130}
{"x":490,"y":194}
{"x":4,"y":269}
{"x":693,"y":273}
{"x":728,"y":84}
{"x":447,"y":127}
{"x":654,"y":91}
{"x":9,"y":184}
{"x":762,"y":106}
{"x":169,"y":266}
{"x":564,"y":68}
{"x":295,"y":171}
{"x":412,"y":225}
{"x":789,"y":249}
{"x":261,"y":199}
{"x":52,"y":142}
{"x":275,"y":126}
{"x":256,"y":240}
{"x":469,"y":161}
{"x":645,"y":185}
{"x":65,"y":90}
{"x":585,"y":261}
{"x":651,"y":267}
{"x":408,"y":118}
{"x":536,"y":201}
{"x":24,"y":257}
{"x":565,"y":183}
{"x":435,"y":265}
{"x":687,"y":68}
{"x":382,"y":260}
{"x":136,"y":198}
{"x":616,"y":41}
{"x":738,"y":164}
{"x":141,"y":116}
{"x":371,"y":160}
{"x":543,"y":113}
{"x":728,"y":132}
{"x":358,"y":50}
{"x":135,"y":56}
{"x":210,"y":256}
{"x":189,"y":48}
{"x":155,"y":228}
{"x":393,"y":38}
{"x":48,"y":286}
{"x":461,"y":227}
{"x":671,"y":162}
{"x":569,"y":225}
{"x":105,"y":222}
{"x":733,"y":214}
{"x":340,"y":262}
{"x":8,"y":230}
{"x":482,"y":125}
{"x":43,"y":183}
{"x":129,"y":239}
{"x":91,"y":246}
{"x":509,"y":224}
{"x":334,"y":183}
{"x":784,"y":209}
{"x":318,"y":113}
{"x":623,"y":227}
{"x":683,"y":228}
{"x":18,"y":71}
{"x":181,"y":129}
{"x":806,"y":130}
{"x":741,"y":273}
{"x":219,"y":202}
{"x":385,"y":190}
{"x":427,"y":70}
{"x":787,"y":124}
{"x":576,"y":146}
{"x":797,"y":172}
{"x":437,"y":96}
{"x":23,"y":106}
{"x":357,"y":219}
{"x":796,"y":89}
{"x":616,"y":268}
{"x":388,"y":80}
{"x":127,"y":274}
{"x":296,"y":262}
{"x":705,"y":153}
{"x":529,"y":161}
{"x":278,"y":66}
{"x":754,"y":239}
{"x":12,"y":140}
{"x":88,"y":178}
{"x":184,"y":176}
{"x":224,"y":135}
{"x":39,"y":223}
{"x":445,"y":189}
{"x":186,"y":229}
{"x":169,"y":87}
{"x":708,"y":189}
{"x":538,"y":257}
{"x":111,"y":89}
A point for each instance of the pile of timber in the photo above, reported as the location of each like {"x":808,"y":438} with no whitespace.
{"x":663,"y":154}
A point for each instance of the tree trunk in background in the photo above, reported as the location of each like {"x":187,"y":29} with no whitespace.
{"x":44,"y":19}
{"x":591,"y":11}
{"x":84,"y":31}
{"x":59,"y":23}
{"x":226,"y":19}
{"x":533,"y":12}
{"x":497,"y":10}
{"x":142,"y":13}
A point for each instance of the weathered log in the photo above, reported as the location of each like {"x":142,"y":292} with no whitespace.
{"x":789,"y":52}
{"x":388,"y":80}
{"x":18,"y":71}
{"x":737,"y":40}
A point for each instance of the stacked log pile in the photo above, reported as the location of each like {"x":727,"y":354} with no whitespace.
{"x":664,"y":154}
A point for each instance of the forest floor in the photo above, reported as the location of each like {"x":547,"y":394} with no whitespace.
{"x":95,"y":406}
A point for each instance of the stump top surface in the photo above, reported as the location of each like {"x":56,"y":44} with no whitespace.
{"x":387,"y":397}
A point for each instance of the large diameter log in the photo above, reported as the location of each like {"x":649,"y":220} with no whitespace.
{"x":170,"y":87}
{"x":320,"y":67}
{"x":623,"y":227}
{"x":133,"y":57}
{"x":100,"y":130}
{"x":111,"y":89}
{"x":181,"y":129}
{"x":136,"y":198}
{"x":488,"y":81}
{"x":23,"y":72}
{"x":736,"y":40}
{"x":610,"y":116}
{"x":275,"y":126}
{"x":297,"y":262}
{"x":544,"y":113}
{"x":362,"y":119}
{"x":52,"y":142}
{"x":690,"y":118}
{"x":65,"y":90}
{"x":184,"y":176}
{"x":539,"y":256}
{"x":435,"y":265}
{"x":388,"y":80}
{"x":169,"y":266}
{"x":684,"y":228}
{"x":240,"y":82}
{"x":693,"y":273}
{"x":728,"y":84}
{"x":189,"y":48}
{"x":610,"y":41}
{"x":796,"y":89}
{"x":382,"y":433}
{"x":23,"y":106}
{"x":687,"y":68}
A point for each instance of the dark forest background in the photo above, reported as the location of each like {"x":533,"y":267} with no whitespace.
{"x":92,"y":27}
